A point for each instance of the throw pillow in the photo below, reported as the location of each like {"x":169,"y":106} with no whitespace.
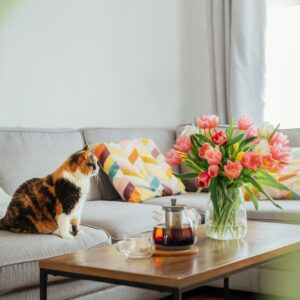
{"x":4,"y":202}
{"x":137,"y":170}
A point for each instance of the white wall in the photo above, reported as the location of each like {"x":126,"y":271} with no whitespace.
{"x":73,"y":63}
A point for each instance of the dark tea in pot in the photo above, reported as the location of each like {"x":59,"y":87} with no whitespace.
{"x":173,"y":236}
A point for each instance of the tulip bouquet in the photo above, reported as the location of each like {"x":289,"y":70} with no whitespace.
{"x":225,"y":161}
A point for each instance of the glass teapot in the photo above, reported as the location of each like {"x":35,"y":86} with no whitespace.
{"x":177,"y":228}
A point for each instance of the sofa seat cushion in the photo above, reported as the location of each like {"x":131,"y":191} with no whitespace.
{"x":20,"y":253}
{"x":65,"y":288}
{"x":119,"y":218}
{"x":268,"y":212}
{"x":85,"y":290}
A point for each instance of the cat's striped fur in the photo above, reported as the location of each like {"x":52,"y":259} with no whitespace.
{"x":52,"y":203}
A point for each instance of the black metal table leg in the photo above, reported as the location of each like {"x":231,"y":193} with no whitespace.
{"x":177,"y":294}
{"x":43,"y":284}
{"x":226,"y":288}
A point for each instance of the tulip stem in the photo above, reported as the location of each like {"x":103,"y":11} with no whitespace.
{"x":226,"y":223}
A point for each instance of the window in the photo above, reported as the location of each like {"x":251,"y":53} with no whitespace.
{"x":283,"y":63}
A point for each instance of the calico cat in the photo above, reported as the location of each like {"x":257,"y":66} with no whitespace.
{"x":52,"y":203}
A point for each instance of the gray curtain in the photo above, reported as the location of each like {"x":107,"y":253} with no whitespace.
{"x":237,"y":48}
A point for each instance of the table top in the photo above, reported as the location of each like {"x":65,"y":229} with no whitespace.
{"x":215,"y":259}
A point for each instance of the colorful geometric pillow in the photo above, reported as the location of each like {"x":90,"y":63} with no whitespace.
{"x":137,"y":170}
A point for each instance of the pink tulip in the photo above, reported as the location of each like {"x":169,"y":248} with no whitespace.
{"x":251,"y":132}
{"x":213,"y":121}
{"x":244,"y":123}
{"x":219,"y":138}
{"x":281,"y":153}
{"x":213,"y":171}
{"x":183,"y":144}
{"x":251,"y":160}
{"x":208,"y":122}
{"x":267,"y":162}
{"x":279,"y":138}
{"x":203,"y":122}
{"x":203,"y":149}
{"x":213,"y":156}
{"x":280,"y":167}
{"x":173,"y":158}
{"x":203,"y":180}
{"x":233,"y":169}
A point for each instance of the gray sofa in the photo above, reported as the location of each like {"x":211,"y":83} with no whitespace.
{"x":26,"y":153}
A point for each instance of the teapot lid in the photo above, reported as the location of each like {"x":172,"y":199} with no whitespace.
{"x":173,"y":207}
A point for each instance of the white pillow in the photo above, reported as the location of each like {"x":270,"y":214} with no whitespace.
{"x":4,"y":202}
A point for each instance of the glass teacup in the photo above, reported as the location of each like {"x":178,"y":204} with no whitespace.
{"x":137,"y":245}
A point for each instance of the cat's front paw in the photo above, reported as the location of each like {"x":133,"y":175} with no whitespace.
{"x":80,"y":233}
{"x":66,"y":235}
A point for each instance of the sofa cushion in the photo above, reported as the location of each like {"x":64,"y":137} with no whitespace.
{"x":118,"y":217}
{"x":20,"y":254}
{"x":164,"y":138}
{"x":137,"y":169}
{"x":268,"y":212}
{"x":86,"y":290}
{"x":58,"y":290}
{"x":28,"y":153}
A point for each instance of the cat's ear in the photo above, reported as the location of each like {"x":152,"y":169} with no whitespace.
{"x":90,"y":148}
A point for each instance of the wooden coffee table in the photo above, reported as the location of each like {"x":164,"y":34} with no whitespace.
{"x":176,"y":275}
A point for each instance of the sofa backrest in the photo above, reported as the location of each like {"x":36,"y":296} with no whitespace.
{"x":27,"y":153}
{"x":164,"y":138}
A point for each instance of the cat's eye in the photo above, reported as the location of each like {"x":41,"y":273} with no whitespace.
{"x":91,"y":165}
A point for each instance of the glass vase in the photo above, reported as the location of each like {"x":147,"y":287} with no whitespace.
{"x":231,"y":222}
